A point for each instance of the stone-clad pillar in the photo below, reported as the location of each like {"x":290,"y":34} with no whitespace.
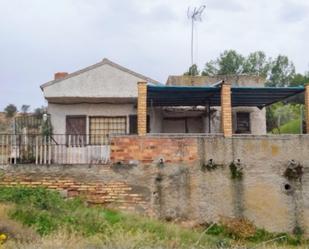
{"x":142,"y":108}
{"x":226,"y":110}
{"x":307,"y":107}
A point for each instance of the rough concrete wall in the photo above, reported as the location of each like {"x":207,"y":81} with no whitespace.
{"x":179,"y":187}
{"x":261,"y":195}
{"x":101,"y":82}
{"x":205,"y":196}
{"x":234,"y":80}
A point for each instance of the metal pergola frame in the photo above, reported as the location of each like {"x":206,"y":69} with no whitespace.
{"x":162,"y":95}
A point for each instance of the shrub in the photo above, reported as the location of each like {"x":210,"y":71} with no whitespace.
{"x":238,"y":228}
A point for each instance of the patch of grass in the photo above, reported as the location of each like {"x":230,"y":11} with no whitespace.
{"x":242,"y":230}
{"x":47,"y":213}
{"x":292,"y":127}
{"x":12,"y":229}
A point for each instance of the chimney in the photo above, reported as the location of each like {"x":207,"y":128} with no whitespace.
{"x":60,"y":75}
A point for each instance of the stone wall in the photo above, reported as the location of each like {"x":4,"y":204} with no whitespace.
{"x":189,"y":178}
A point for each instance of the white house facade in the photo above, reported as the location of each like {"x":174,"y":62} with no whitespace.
{"x":102,"y":100}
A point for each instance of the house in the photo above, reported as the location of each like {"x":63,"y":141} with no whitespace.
{"x":102,"y":99}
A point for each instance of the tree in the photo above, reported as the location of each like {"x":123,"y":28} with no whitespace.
{"x":300,"y":79}
{"x":282,"y":72}
{"x":38,"y":112}
{"x":25,"y":108}
{"x":193,"y":71}
{"x":271,"y":119}
{"x":257,"y":63}
{"x":10,"y":110}
{"x":278,"y":72}
{"x":210,"y":69}
{"x":229,"y":62}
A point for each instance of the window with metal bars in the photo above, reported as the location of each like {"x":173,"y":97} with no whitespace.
{"x":101,"y":127}
{"x":243,"y":122}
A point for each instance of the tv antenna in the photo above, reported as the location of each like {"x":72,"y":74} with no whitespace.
{"x":195,"y":15}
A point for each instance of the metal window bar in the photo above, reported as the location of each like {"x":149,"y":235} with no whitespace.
{"x":102,"y":127}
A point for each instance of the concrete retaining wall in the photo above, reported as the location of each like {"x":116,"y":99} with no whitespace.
{"x":170,"y":178}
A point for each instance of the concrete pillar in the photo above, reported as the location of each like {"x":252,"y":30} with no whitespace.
{"x":307,"y":107}
{"x":142,"y":108}
{"x":226,"y":110}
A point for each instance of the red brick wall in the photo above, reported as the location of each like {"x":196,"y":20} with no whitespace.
{"x":150,"y":149}
{"x":117,"y":194}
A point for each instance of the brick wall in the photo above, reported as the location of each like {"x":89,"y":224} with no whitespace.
{"x":149,"y":149}
{"x":115,"y":194}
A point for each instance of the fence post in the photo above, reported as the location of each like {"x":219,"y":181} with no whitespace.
{"x":15,"y":161}
{"x":86,"y":143}
{"x":41,"y":150}
{"x":49,"y":150}
{"x":69,"y":150}
{"x":82,"y":149}
{"x":78,"y":149}
{"x":44,"y":146}
{"x":36,"y":149}
{"x":8,"y":149}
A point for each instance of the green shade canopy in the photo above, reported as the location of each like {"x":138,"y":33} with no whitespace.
{"x":162,"y":95}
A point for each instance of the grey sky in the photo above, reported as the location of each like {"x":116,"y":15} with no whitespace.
{"x":152,"y":37}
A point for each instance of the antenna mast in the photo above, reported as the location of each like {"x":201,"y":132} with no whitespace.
{"x":194,"y":15}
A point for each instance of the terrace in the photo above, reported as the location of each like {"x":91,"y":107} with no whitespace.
{"x":95,"y":148}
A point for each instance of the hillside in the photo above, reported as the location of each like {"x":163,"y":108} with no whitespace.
{"x":40,"y":218}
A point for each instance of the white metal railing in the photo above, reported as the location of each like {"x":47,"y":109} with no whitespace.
{"x":54,"y":149}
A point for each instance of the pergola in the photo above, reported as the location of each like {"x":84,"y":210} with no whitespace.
{"x":223,"y":95}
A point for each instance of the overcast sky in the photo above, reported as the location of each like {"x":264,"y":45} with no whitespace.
{"x":152,"y":37}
